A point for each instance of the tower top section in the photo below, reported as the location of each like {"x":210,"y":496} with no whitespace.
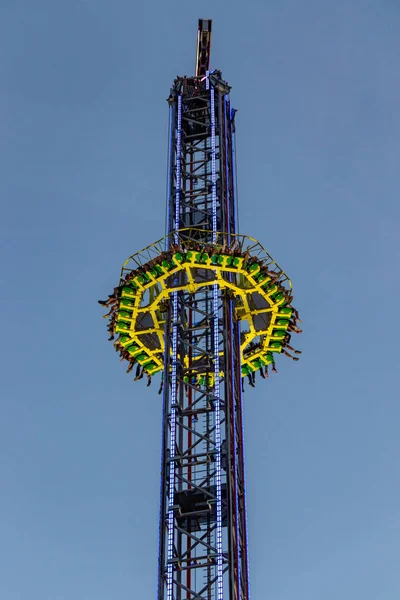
{"x":196,"y":88}
{"x":203,"y":47}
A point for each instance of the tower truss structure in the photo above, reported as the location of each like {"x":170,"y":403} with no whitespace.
{"x":203,"y":529}
{"x":180,"y":309}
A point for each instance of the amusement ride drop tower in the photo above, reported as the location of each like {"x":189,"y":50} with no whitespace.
{"x":207,"y":308}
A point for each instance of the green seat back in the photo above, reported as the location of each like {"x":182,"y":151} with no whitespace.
{"x":132,"y":348}
{"x":150,"y":366}
{"x":128,"y":290}
{"x":126,"y":303}
{"x":278,"y":333}
{"x":275,"y":346}
{"x":124,"y":314}
{"x":154,"y":272}
{"x":235,"y":261}
{"x":268,"y":359}
{"x":253,"y":268}
{"x":283,"y":323}
{"x":179,"y":257}
{"x":277,"y":297}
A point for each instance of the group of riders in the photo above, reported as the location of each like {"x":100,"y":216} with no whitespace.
{"x":167,"y":259}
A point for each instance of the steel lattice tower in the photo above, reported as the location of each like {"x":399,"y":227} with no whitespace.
{"x":203,"y":530}
{"x":180,"y":309}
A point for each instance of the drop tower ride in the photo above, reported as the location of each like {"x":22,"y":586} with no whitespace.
{"x":207,"y":308}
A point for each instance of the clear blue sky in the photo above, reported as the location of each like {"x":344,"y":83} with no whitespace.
{"x":83,"y":141}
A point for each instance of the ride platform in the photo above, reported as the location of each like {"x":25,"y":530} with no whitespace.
{"x":259,"y":290}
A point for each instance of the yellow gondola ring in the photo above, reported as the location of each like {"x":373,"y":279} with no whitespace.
{"x":240,"y":277}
